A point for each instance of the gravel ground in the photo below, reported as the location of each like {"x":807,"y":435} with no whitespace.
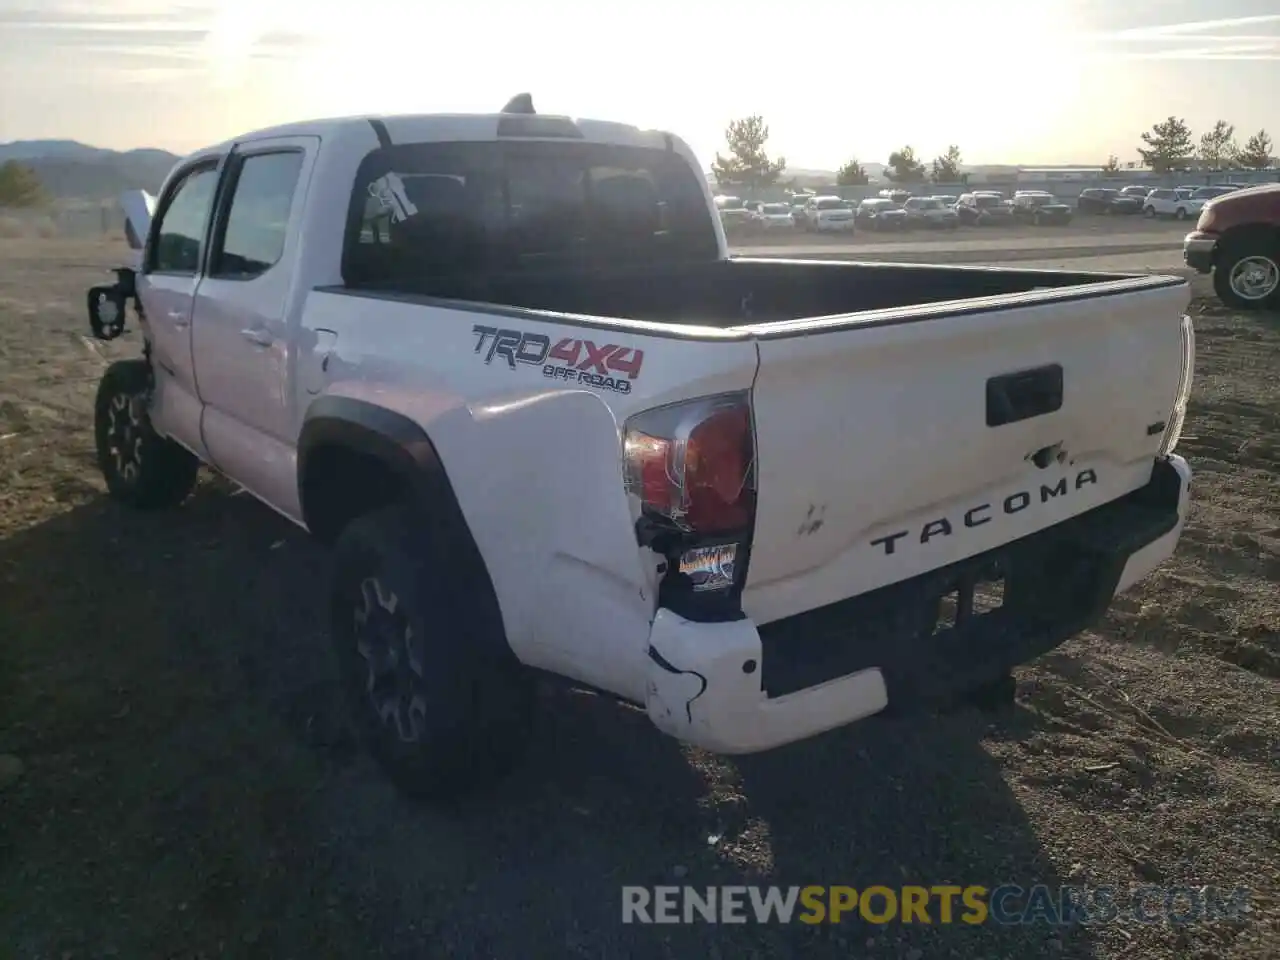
{"x":175,"y":779}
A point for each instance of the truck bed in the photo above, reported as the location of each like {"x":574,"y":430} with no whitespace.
{"x":728,"y":293}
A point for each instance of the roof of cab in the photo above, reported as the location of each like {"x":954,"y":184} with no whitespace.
{"x":412,"y":128}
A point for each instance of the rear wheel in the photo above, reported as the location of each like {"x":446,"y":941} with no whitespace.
{"x":442,"y":709}
{"x":1180,"y":213}
{"x":1247,"y":274}
{"x":140,"y":467}
{"x":1149,"y":212}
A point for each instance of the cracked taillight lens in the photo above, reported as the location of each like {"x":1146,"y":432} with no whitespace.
{"x":691,"y":464}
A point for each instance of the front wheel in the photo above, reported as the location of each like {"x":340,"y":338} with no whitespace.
{"x":438,"y":698}
{"x":140,"y":467}
{"x":1180,"y":213}
{"x":1247,"y":276}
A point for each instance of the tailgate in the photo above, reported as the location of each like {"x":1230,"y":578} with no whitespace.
{"x":895,"y":444}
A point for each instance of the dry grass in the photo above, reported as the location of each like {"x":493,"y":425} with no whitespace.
{"x":189,"y":790}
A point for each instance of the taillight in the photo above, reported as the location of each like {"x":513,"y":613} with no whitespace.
{"x":691,"y":465}
{"x":1178,"y":416}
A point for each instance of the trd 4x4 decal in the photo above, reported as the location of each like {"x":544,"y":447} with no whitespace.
{"x":568,"y":360}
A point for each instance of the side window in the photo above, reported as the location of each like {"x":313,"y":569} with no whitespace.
{"x":181,"y":228}
{"x":257,"y":221}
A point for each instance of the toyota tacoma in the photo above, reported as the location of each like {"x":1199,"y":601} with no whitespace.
{"x":506,"y":366}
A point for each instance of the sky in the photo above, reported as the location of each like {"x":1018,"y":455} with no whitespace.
{"x":1036,"y":81}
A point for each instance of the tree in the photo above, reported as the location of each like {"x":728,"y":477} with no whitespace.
{"x":1111,"y":167}
{"x":19,"y":186}
{"x":946,"y":169}
{"x":904,"y":167}
{"x":1218,"y":147}
{"x":852,"y":175}
{"x":1256,"y":154}
{"x":747,"y":164}
{"x":1168,"y":145}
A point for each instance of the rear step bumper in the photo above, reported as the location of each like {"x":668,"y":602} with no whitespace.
{"x":736,"y":688}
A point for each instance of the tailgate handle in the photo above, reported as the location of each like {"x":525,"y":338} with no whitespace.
{"x":1025,"y":394}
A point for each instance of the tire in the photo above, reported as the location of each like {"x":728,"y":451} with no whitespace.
{"x":140,"y":467}
{"x":1247,"y":274}
{"x":1180,"y":213}
{"x":443,"y":709}
{"x":1149,"y":212}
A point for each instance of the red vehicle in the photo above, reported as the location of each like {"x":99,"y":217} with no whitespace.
{"x":1237,"y":239}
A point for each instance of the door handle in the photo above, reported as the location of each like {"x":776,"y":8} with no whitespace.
{"x":257,"y":336}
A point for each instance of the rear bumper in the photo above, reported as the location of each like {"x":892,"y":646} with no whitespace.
{"x":738,"y":688}
{"x":1198,"y":251}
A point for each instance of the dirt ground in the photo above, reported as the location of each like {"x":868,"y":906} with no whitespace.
{"x":186,"y":787}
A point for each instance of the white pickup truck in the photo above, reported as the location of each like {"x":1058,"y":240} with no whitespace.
{"x":507,"y":366}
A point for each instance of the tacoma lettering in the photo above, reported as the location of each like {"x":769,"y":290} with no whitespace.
{"x":977,"y":515}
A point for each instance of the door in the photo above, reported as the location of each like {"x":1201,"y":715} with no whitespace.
{"x":241,"y":330}
{"x":170,"y":274}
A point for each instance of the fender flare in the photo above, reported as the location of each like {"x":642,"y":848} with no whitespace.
{"x":401,"y":445}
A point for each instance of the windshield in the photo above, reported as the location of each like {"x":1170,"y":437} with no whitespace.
{"x":1208,"y":193}
{"x":775,"y":209}
{"x":422,"y":211}
{"x":986,"y":203}
{"x":876,"y":204}
{"x":831,"y":203}
{"x":928,"y":203}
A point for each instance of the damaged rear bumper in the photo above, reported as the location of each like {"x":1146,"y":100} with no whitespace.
{"x":737,"y":688}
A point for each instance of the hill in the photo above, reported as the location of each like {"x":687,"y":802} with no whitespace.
{"x":69,"y":170}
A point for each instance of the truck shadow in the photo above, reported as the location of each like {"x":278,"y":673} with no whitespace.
{"x":168,"y":679}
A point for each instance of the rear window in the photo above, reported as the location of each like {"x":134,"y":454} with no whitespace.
{"x":454,"y":209}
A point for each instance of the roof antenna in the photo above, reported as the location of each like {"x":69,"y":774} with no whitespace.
{"x":520,"y":103}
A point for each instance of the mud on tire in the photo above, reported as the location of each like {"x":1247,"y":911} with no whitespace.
{"x":442,"y":709}
{"x":140,"y":467}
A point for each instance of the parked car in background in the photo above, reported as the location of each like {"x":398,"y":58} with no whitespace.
{"x":733,"y":213}
{"x":1041,"y":208}
{"x":1176,"y":202}
{"x":1135,"y":190}
{"x":773,"y":216}
{"x":798,"y":201}
{"x":1205,"y":194}
{"x":947,"y":200}
{"x":930,"y":212}
{"x":896,"y":194}
{"x":983,"y":209}
{"x":1237,"y":239}
{"x":1107,"y":201}
{"x":828,"y":214}
{"x":881,"y":213}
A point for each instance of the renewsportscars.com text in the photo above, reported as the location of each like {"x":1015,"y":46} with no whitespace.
{"x":940,"y":904}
